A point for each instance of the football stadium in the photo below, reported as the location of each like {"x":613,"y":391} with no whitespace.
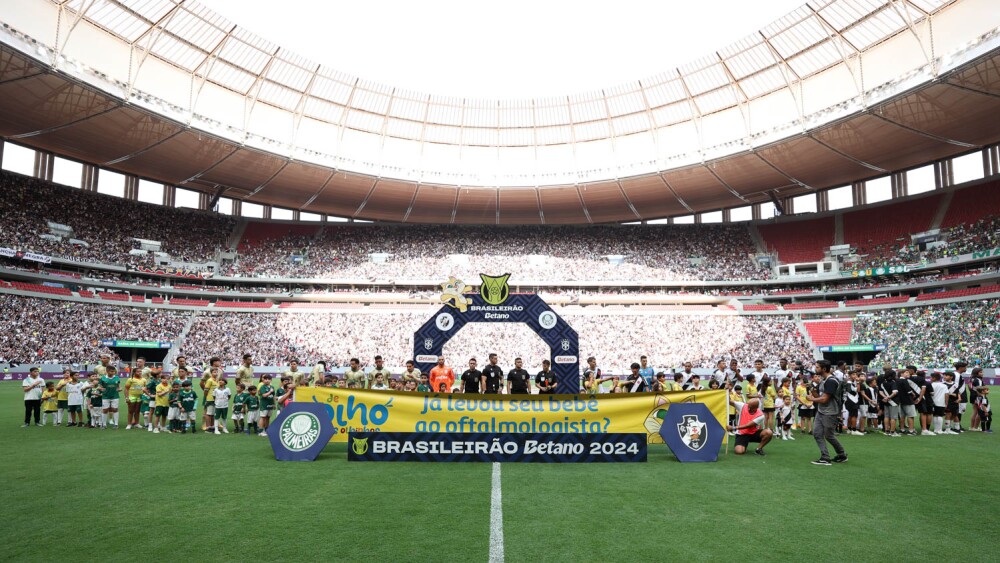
{"x":676,"y":273}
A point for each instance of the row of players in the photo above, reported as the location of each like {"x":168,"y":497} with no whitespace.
{"x":155,"y":401}
{"x":868,"y":398}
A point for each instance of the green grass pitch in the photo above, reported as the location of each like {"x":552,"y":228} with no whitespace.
{"x":87,"y":495}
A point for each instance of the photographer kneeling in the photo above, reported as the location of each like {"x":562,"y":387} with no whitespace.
{"x":825,"y":393}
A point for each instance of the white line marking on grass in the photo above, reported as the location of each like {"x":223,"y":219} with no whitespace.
{"x":496,"y":518}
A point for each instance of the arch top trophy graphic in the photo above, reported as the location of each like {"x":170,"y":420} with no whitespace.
{"x":494,"y":303}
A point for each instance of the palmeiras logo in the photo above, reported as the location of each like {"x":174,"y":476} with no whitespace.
{"x":359,"y":446}
{"x":299,"y":431}
{"x":494,"y":289}
{"x":692,"y":431}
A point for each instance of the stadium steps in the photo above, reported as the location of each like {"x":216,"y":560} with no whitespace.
{"x":175,"y":350}
{"x":829,"y":332}
{"x":942,"y":211}
{"x":237,"y":235}
{"x":807,"y":337}
{"x":758,"y":240}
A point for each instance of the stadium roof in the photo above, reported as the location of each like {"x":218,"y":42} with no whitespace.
{"x":836,"y":91}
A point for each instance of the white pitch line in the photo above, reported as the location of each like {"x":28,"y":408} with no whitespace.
{"x":496,"y":518}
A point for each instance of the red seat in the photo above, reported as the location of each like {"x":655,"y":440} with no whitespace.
{"x":830,"y":333}
{"x":799,"y":241}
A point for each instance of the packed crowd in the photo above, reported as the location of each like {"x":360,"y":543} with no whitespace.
{"x":270,"y":257}
{"x":569,"y":253}
{"x":105,"y":224}
{"x":935,"y":336}
{"x":613,"y":338}
{"x":51,"y":331}
{"x":961,"y":239}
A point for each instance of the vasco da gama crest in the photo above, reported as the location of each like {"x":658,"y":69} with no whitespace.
{"x":693,"y":432}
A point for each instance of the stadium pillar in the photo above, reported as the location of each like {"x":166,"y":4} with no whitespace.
{"x":943,"y":175}
{"x":727,"y":216}
{"x":899,"y":186}
{"x":132,"y":188}
{"x":88,"y":178}
{"x":858,"y":193}
{"x":44,"y":163}
{"x":169,"y":195}
{"x":755,"y":212}
{"x":267,"y":212}
{"x":991,"y":160}
{"x":697,"y":219}
{"x":203,"y":200}
{"x":823,"y":201}
{"x":788,"y":204}
{"x":237,"y":208}
{"x":296,"y":215}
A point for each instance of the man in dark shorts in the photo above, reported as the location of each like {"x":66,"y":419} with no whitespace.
{"x":924,"y":402}
{"x":749,"y":418}
{"x":907,"y":401}
{"x":952,"y":408}
{"x":472,"y":378}
{"x":493,"y":376}
{"x":518,"y":379}
{"x":546,"y":379}
{"x":975,"y":382}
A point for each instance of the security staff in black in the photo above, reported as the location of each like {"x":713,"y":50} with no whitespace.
{"x":518,"y":379}
{"x":492,"y":376}
{"x":546,"y":379}
{"x":471,"y":378}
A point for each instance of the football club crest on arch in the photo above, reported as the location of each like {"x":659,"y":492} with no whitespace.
{"x":494,"y":289}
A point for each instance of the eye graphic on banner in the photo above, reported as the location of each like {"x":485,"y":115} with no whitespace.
{"x":451,"y":294}
{"x":494,"y":290}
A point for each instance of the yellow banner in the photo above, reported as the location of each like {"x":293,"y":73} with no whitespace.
{"x":353,"y":410}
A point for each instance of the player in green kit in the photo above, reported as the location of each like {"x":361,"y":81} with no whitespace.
{"x":188,"y":399}
{"x":110,"y":384}
{"x":239,"y":408}
{"x":144,"y":410}
{"x":173,"y":415}
{"x":252,"y":406}
{"x":266,"y":403}
{"x":96,"y":412}
{"x":151,"y":383}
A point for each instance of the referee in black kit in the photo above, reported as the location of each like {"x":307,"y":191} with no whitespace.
{"x":492,"y":377}
{"x":472,"y":378}
{"x":518,"y":379}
